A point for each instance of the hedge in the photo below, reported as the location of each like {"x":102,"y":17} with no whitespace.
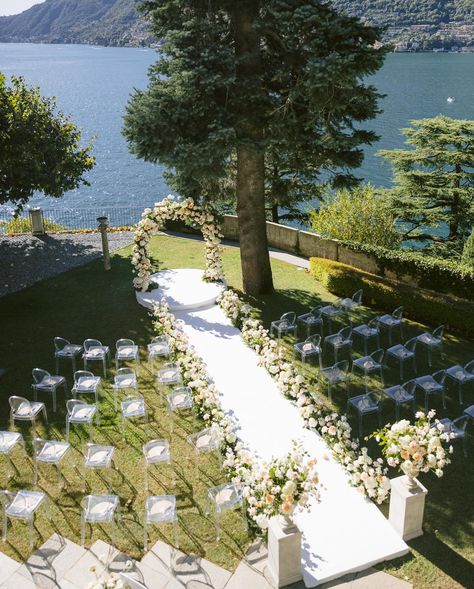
{"x":436,"y":274}
{"x":419,"y":304}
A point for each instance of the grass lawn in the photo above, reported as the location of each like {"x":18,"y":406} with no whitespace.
{"x":87,"y":302}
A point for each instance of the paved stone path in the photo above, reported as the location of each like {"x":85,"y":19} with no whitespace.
{"x":62,"y":564}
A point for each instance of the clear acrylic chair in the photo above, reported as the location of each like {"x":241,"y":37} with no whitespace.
{"x":180,"y":399}
{"x":402,"y":394}
{"x":94,"y":351}
{"x":463,"y":376}
{"x":335,"y":374}
{"x":285,"y":325}
{"x":469,"y":411}
{"x":391,"y":322}
{"x":433,"y":341}
{"x":160,"y":509}
{"x":223,"y":498}
{"x":309,"y":321}
{"x":85,"y":383}
{"x":349,"y":304}
{"x":8,"y":442}
{"x":169,"y":375}
{"x":203,"y":442}
{"x":131,"y":582}
{"x":158,"y":348}
{"x":403,"y":353}
{"x":367,"y":332}
{"x":22,"y":410}
{"x":457,"y":427}
{"x":64,"y":350}
{"x":49,"y":452}
{"x":309,"y":348}
{"x":370,"y":364}
{"x":22,"y":505}
{"x":98,"y":509}
{"x":366,"y":404}
{"x":330,"y":312}
{"x":132,"y":407}
{"x":432,"y":384}
{"x":80,"y":413}
{"x":157,"y":452}
{"x":44,"y":382}
{"x":99,"y":457}
{"x":126,"y":350}
{"x":124,"y":379}
{"x":339,"y":341}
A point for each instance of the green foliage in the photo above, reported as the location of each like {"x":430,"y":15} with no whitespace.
{"x":358,"y":215}
{"x":439,"y":274}
{"x":23,"y":225}
{"x":39,"y":146}
{"x":418,"y":304}
{"x":434,"y":192}
{"x":309,"y":95}
{"x":468,"y":251}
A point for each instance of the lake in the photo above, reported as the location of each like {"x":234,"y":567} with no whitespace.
{"x":94,"y":83}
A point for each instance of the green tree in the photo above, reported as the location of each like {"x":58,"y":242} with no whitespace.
{"x":434,"y":191}
{"x":359,"y":215}
{"x":39,"y":146}
{"x":468,"y":251}
{"x":253,"y":78}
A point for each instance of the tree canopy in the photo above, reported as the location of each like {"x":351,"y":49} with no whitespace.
{"x":434,"y":183}
{"x":359,"y":215}
{"x":39,"y":146}
{"x":279,"y":83}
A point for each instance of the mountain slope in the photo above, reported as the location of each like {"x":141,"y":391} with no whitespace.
{"x":430,"y":23}
{"x":98,"y":22}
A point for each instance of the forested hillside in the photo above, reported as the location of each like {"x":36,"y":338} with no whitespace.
{"x":97,"y":22}
{"x":412,"y":24}
{"x":427,"y":23}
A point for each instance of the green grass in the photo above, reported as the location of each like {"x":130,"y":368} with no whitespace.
{"x":88,"y":302}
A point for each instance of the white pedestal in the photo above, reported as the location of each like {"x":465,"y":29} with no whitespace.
{"x":406,"y":508}
{"x":284,"y":554}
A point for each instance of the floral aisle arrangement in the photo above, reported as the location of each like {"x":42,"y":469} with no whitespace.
{"x":273,"y":488}
{"x":367,"y":474}
{"x":281,"y":486}
{"x":191,"y":213}
{"x":415,"y":447}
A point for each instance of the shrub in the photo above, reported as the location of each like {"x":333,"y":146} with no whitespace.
{"x":468,"y":251}
{"x":358,"y":215}
{"x":23,"y":225}
{"x":419,"y":304}
{"x":437,"y":274}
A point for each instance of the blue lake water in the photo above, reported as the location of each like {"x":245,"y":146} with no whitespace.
{"x":93,"y":85}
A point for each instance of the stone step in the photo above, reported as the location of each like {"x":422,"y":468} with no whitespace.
{"x":8,"y":567}
{"x":187,"y":569}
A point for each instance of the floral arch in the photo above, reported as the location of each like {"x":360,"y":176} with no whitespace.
{"x":193,"y":215}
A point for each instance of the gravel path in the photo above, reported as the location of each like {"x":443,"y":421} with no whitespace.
{"x":25,"y":259}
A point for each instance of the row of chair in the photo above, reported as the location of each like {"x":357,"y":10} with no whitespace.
{"x":92,"y":350}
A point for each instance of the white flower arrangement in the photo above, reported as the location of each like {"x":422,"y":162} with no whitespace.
{"x":415,"y":447}
{"x":240,"y":464}
{"x":171,"y":209}
{"x":365,"y":473}
{"x":106,"y":580}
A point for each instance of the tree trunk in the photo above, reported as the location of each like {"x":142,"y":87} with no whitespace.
{"x":255,"y":260}
{"x":275,"y":215}
{"x":454,"y":222}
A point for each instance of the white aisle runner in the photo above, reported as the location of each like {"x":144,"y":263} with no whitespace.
{"x":344,"y":532}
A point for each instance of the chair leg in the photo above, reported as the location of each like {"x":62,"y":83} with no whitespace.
{"x":30,"y":532}
{"x":176,"y":533}
{"x":397,"y":411}
{"x":145,"y":535}
{"x":360,"y":426}
{"x":73,"y":365}
{"x":57,"y":365}
{"x":83,"y":531}
{"x":54,"y":401}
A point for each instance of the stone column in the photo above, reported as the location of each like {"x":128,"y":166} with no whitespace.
{"x":407,"y":507}
{"x":37,"y":225}
{"x":284,"y":553}
{"x":105,"y":242}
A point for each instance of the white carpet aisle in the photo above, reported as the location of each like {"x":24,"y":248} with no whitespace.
{"x":345,"y":532}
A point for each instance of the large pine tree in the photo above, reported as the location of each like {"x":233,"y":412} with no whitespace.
{"x":238,"y":80}
{"x":434,"y":183}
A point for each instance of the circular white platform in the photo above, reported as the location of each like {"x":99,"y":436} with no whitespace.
{"x":182,"y":289}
